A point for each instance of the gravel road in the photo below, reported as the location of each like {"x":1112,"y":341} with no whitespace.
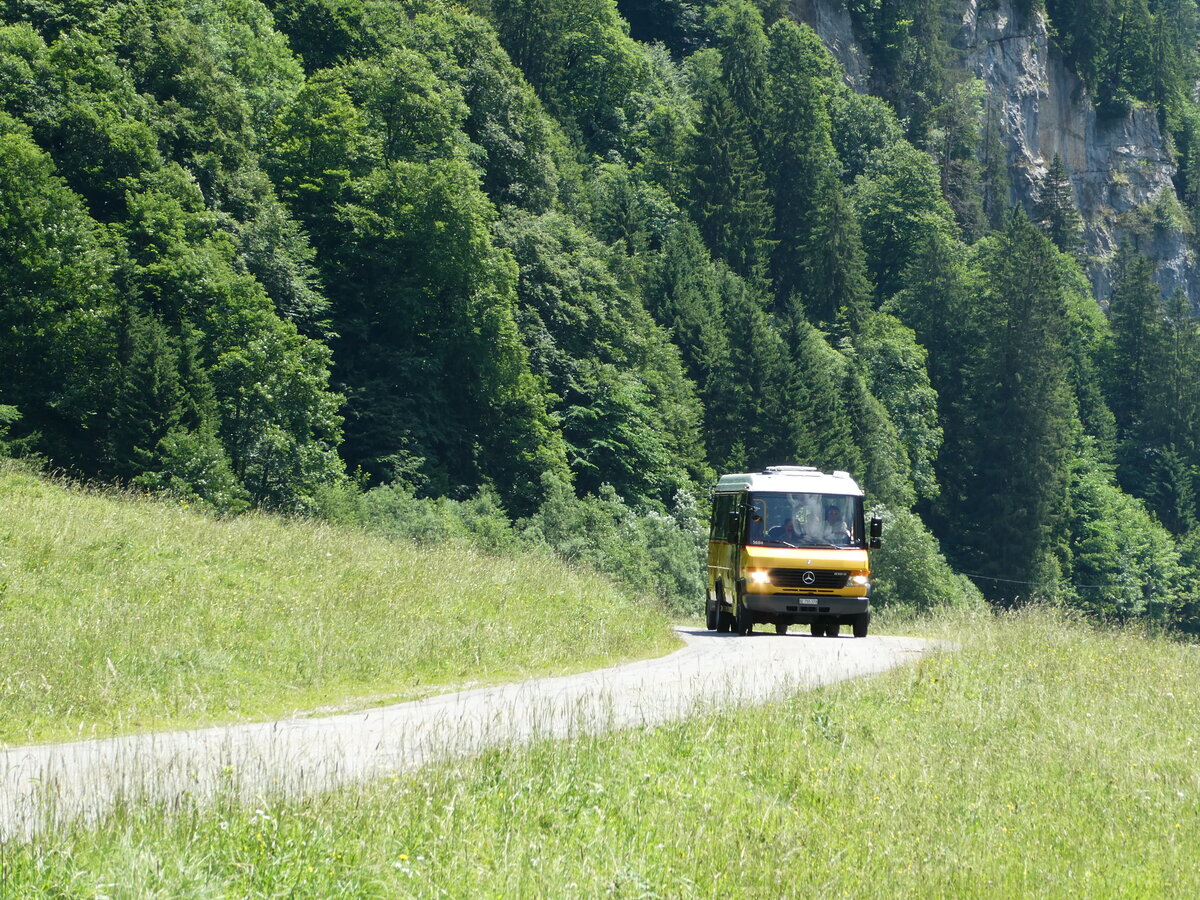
{"x":82,"y":781}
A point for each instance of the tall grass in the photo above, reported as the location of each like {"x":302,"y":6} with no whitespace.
{"x":1044,"y":758}
{"x":119,"y":613}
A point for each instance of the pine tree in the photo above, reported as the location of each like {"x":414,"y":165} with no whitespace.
{"x":729,"y":194}
{"x":737,"y":28}
{"x":1006,"y":491}
{"x":995,"y":180}
{"x":822,"y":432}
{"x":1172,"y":491}
{"x":753,"y":425}
{"x":819,"y":252}
{"x":1055,"y":210}
{"x":1137,"y":339}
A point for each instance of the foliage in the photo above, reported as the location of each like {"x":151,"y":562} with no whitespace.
{"x":661,"y":554}
{"x":1126,"y":562}
{"x":1009,"y":461}
{"x":523,"y":272}
{"x":909,"y":571}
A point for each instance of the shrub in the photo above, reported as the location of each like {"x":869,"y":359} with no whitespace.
{"x":910,"y":572}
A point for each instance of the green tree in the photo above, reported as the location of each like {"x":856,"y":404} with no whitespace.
{"x":1055,"y":209}
{"x":1006,"y":488}
{"x":900,"y":203}
{"x":818,"y":251}
{"x":56,"y":298}
{"x":629,"y":414}
{"x":1126,"y":563}
{"x":322,"y":32}
{"x":895,"y":369}
{"x":504,"y":118}
{"x":1138,"y":338}
{"x":822,"y":433}
{"x":729,"y":200}
{"x":995,"y":181}
{"x":428,"y":349}
{"x":740,"y":36}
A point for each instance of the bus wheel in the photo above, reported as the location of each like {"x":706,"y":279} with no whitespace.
{"x":724,"y":621}
{"x":781,"y":629}
{"x":817,"y":629}
{"x":745,"y":620}
{"x":832,"y":629}
{"x":710,"y":615}
{"x":861,"y":623}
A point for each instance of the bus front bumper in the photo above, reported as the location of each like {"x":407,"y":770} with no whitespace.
{"x":801,"y":609}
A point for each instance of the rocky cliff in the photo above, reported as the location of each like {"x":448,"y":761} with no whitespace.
{"x":1120,"y":168}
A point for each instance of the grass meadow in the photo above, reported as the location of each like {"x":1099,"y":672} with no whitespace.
{"x":120,"y":613}
{"x":1044,"y":758}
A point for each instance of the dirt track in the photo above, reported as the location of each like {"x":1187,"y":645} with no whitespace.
{"x":83,"y":780}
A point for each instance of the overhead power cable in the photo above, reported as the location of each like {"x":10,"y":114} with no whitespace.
{"x":1039,"y":584}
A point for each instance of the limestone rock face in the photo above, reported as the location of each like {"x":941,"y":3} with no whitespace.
{"x":1120,"y":168}
{"x":831,"y":20}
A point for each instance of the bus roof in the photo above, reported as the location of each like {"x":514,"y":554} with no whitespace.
{"x":791,"y":479}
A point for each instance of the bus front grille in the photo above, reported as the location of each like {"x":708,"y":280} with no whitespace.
{"x":811,"y":579}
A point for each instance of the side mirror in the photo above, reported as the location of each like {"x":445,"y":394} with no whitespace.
{"x":876,"y":533}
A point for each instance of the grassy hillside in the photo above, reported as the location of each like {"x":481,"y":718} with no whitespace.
{"x":1045,"y":758}
{"x":119,"y":613}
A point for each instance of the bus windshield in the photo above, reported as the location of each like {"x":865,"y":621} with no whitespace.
{"x":805,"y":520}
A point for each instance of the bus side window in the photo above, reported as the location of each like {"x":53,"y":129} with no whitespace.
{"x":722,"y":506}
{"x":756,"y":529}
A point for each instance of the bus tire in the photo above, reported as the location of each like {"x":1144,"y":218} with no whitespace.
{"x":817,"y":629}
{"x":861,"y":623}
{"x":832,"y":629}
{"x":724,"y":618}
{"x":745,"y":619}
{"x":710,"y":615}
{"x":781,"y":629}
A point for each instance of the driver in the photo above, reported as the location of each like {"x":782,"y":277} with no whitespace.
{"x":785,"y":533}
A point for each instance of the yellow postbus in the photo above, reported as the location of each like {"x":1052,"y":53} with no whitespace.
{"x":788,"y":546}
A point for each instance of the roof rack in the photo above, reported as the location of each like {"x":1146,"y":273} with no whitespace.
{"x":789,"y":469}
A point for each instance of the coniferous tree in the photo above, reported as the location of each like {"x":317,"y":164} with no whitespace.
{"x":953,"y":140}
{"x":729,"y":199}
{"x":884,"y":461}
{"x":1171,"y":494}
{"x":739,"y":35}
{"x":822,"y":431}
{"x":818,"y":253}
{"x":683,"y":292}
{"x":1055,"y":210}
{"x":1006,"y":492}
{"x":995,"y":180}
{"x":755,"y":427}
{"x":1137,"y":339}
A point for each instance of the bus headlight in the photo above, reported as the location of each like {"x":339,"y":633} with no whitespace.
{"x":760,"y":576}
{"x":860,"y":579}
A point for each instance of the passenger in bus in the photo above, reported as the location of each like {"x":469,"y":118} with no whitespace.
{"x":836,"y":530}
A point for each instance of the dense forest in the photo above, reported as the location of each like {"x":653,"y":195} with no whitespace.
{"x":537,"y":270}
